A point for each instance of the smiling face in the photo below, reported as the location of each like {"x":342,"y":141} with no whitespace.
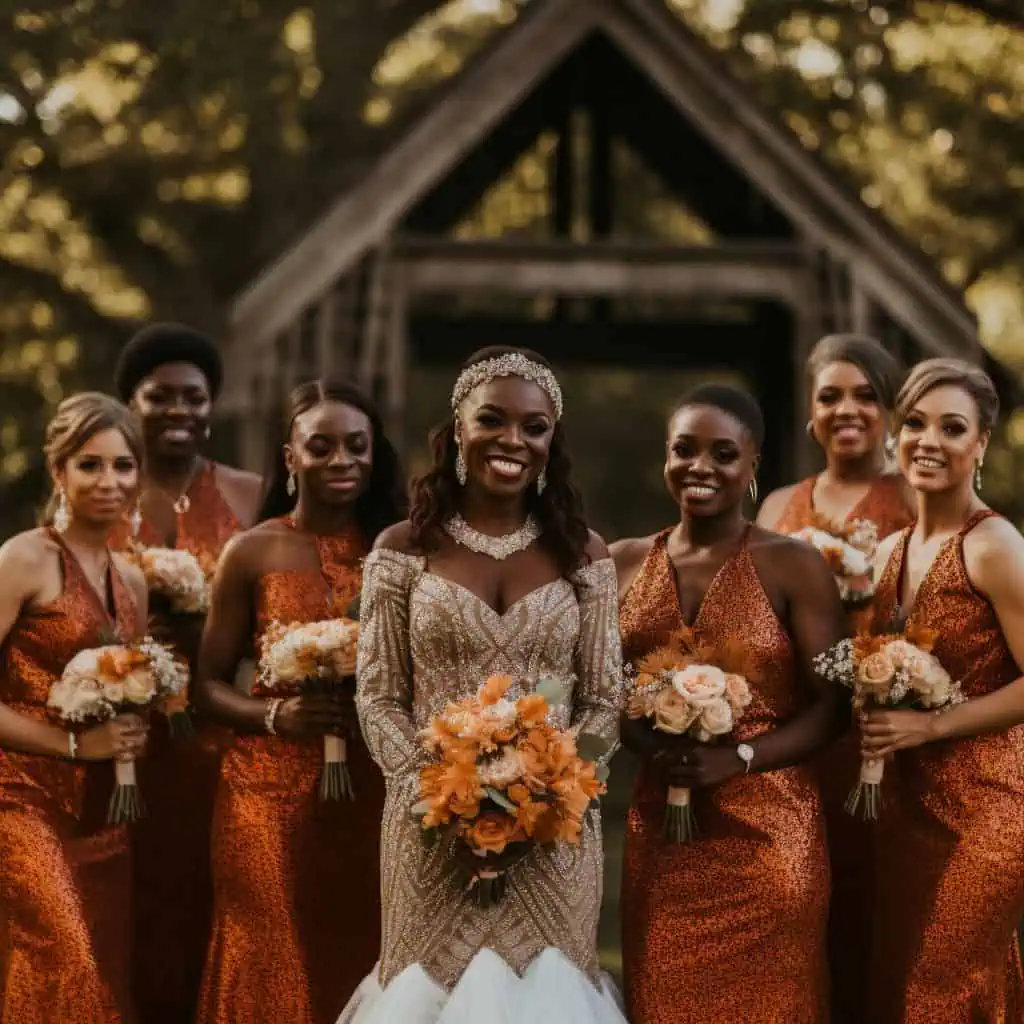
{"x":101,"y":479}
{"x":506,"y":427}
{"x":174,"y":404}
{"x":940,"y":441}
{"x":711,"y":461}
{"x":331,"y":453}
{"x":846,"y":417}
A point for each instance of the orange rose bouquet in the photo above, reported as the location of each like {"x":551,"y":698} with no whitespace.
{"x":102,"y":682}
{"x":895,"y":670}
{"x":849,"y":549}
{"x":315,"y":657}
{"x":503,"y":774}
{"x":688,"y":690}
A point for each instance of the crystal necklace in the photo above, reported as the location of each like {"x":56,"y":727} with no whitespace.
{"x":498,"y":548}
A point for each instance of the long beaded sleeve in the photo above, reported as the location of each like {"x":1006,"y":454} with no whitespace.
{"x":384,"y":672}
{"x":599,"y":692}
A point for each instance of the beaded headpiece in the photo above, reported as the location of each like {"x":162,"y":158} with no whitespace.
{"x":512,"y":364}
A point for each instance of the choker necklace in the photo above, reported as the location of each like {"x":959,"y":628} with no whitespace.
{"x":498,"y":548}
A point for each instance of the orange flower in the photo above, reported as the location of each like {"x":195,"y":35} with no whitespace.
{"x":118,"y":662}
{"x":493,"y":831}
{"x":532,"y":710}
{"x":494,"y":689}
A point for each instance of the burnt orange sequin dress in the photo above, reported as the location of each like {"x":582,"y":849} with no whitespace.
{"x":172,"y":888}
{"x":951,"y":868}
{"x":65,"y":877}
{"x":730,"y":927}
{"x":296,"y":881}
{"x":851,"y":841}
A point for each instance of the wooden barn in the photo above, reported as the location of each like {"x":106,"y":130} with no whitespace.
{"x":675,"y":230}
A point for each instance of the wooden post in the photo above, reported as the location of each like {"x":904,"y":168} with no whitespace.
{"x":324,"y":339}
{"x":807,"y":323}
{"x":861,"y":308}
{"x":396,"y":360}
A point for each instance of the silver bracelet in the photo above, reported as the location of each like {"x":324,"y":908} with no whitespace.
{"x":72,"y":746}
{"x":273,"y":705}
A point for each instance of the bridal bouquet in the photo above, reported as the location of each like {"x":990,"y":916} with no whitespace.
{"x":849,"y":550}
{"x":895,"y":670}
{"x":503,"y":774}
{"x":685,"y":689}
{"x":315,"y":657}
{"x":102,"y":682}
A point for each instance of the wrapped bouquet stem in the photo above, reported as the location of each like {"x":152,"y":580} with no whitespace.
{"x":336,"y":780}
{"x":680,"y":824}
{"x":866,"y":796}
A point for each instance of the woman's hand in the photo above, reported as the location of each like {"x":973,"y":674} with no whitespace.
{"x":705,"y":764}
{"x":122,"y":739}
{"x":497,"y":862}
{"x":314,"y":715}
{"x":884,"y":732}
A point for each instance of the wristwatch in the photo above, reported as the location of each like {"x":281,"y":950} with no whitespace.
{"x":745,"y":752}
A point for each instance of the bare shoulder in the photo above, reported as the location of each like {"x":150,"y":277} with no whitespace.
{"x":629,"y":553}
{"x":596,"y":549}
{"x":27,"y":552}
{"x":792,"y":563}
{"x":774,"y":505}
{"x":994,"y":554}
{"x":247,"y":551}
{"x":131,"y":574}
{"x":397,"y":537}
{"x":243,"y":491}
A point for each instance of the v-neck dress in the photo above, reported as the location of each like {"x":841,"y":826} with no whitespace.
{"x":64,"y":875}
{"x":951,"y":868}
{"x":730,"y":927}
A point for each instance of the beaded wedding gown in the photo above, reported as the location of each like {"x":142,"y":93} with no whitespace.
{"x":533,"y":956}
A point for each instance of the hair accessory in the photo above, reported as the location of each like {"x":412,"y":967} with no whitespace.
{"x":62,"y":513}
{"x":512,"y":364}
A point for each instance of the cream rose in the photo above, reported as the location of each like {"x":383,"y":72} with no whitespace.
{"x":673,"y":713}
{"x":875,"y":673}
{"x":716,"y":718}
{"x":138,"y":687}
{"x":699,"y":684}
{"x":737,"y":692}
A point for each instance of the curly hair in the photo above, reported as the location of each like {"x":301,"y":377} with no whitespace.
{"x":559,"y":510}
{"x":383,"y":503}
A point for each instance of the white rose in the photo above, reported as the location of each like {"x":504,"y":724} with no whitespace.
{"x":138,"y":687}
{"x":699,"y":684}
{"x":716,"y":718}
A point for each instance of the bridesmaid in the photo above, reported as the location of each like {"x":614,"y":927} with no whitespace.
{"x":731,"y":926}
{"x":296,"y":882}
{"x":170,"y":375}
{"x":853,"y":388}
{"x":951,"y":878}
{"x":64,"y":878}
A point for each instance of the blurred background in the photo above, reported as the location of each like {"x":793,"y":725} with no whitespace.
{"x":648,"y":191}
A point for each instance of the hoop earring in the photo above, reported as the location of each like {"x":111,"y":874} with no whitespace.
{"x":290,"y":485}
{"x":62,"y":513}
{"x":752,"y":488}
{"x":977,"y":475}
{"x":542,"y":481}
{"x":135,"y":520}
{"x":461,"y":472}
{"x":810,"y":430}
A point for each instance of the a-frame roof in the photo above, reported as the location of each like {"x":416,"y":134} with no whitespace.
{"x":890,"y":270}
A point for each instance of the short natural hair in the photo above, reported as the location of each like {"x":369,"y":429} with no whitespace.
{"x":868,"y":355}
{"x":937,"y":373}
{"x":77,"y":420}
{"x":734,"y":401}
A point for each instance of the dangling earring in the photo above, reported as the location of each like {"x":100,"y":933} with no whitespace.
{"x":207,"y":431}
{"x":753,"y":489}
{"x":461,"y":473}
{"x":290,"y":484}
{"x":62,"y":513}
{"x":977,"y":475}
{"x":542,"y":481}
{"x":890,"y":446}
{"x":135,"y":520}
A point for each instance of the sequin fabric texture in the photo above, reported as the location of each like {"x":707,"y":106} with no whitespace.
{"x":426,"y":641}
{"x":296,"y":880}
{"x":732,"y":926}
{"x":172,"y":888}
{"x":851,"y":841}
{"x":64,"y":875}
{"x":951,"y":878}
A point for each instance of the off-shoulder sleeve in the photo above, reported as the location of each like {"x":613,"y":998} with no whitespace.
{"x":599,"y":690}
{"x":384,"y":672}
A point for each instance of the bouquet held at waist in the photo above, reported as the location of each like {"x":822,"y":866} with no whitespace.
{"x":502,"y":774}
{"x":102,"y":682}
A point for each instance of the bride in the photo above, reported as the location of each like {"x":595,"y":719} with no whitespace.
{"x":495,"y":572}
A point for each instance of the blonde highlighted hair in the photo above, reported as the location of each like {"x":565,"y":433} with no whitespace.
{"x":938,"y":373}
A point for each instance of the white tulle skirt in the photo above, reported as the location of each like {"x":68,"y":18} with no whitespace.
{"x":489,"y":992}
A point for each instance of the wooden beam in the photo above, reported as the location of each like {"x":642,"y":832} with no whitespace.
{"x":480,"y":99}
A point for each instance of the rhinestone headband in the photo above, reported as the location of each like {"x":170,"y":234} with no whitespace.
{"x":512,"y":364}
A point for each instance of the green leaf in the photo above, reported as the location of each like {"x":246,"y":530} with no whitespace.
{"x":591,"y":747}
{"x":603,"y":773}
{"x":500,"y":799}
{"x":554,"y":691}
